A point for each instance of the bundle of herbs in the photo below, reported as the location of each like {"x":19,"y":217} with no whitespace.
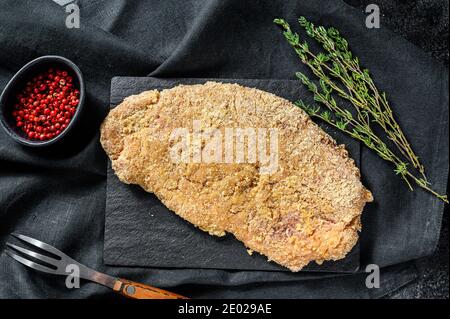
{"x":348,"y":99}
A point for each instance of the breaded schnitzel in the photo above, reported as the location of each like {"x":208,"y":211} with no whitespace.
{"x":307,"y":209}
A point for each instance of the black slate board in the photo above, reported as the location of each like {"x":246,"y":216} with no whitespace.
{"x":141,"y":231}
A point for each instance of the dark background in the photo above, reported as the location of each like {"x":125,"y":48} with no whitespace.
{"x":424,"y":23}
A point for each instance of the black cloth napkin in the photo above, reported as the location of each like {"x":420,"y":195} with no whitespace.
{"x":58,"y":194}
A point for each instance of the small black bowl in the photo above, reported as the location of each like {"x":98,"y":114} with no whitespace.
{"x":31,"y":69}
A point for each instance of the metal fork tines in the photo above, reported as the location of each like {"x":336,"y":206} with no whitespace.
{"x":59,"y":264}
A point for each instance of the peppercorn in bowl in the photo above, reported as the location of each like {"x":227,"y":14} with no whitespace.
{"x":43,"y":101}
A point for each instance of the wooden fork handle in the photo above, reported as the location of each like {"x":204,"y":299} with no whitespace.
{"x":137,"y":290}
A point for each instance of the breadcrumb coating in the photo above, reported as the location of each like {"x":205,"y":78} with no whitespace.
{"x":307,"y":210}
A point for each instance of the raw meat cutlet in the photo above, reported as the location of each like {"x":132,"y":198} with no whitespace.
{"x":307,"y":210}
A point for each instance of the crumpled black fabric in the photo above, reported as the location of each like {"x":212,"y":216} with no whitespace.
{"x":58,"y":194}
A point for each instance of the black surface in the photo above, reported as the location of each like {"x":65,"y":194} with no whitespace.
{"x":141,"y":231}
{"x":59,"y":195}
{"x":424,"y":23}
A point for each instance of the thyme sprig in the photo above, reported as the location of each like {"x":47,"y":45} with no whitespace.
{"x":340,"y":75}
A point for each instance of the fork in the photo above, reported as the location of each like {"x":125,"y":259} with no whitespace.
{"x":122,"y":286}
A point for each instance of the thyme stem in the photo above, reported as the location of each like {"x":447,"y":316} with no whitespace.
{"x":339,"y":74}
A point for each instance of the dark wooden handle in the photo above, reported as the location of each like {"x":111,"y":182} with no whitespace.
{"x":136,"y":290}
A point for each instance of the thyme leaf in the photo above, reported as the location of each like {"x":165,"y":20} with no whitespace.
{"x":339,"y":74}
